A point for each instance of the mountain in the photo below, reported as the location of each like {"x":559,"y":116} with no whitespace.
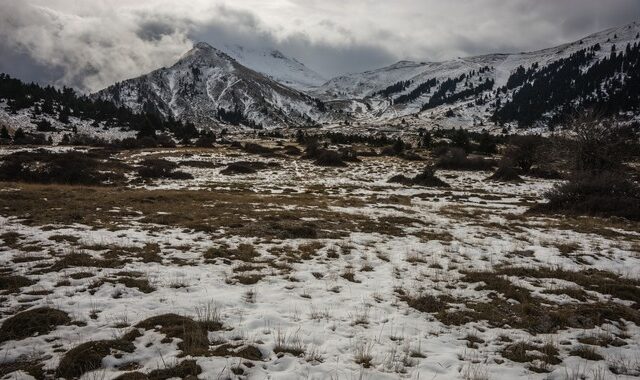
{"x":254,"y":88}
{"x":472,"y":91}
{"x":44,"y":113}
{"x":275,"y":65}
{"x":208,"y":87}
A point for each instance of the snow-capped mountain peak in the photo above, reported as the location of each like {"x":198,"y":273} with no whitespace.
{"x":276,"y":65}
{"x":209,"y":87}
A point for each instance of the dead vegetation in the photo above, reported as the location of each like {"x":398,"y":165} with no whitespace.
{"x":187,"y":369}
{"x":457,"y":159}
{"x":244,"y":351}
{"x":506,"y":174}
{"x":288,"y":344}
{"x":522,"y":299}
{"x":530,"y":312}
{"x":88,"y":356}
{"x":539,"y":357}
{"x":32,"y":365}
{"x":81,"y":259}
{"x":43,"y":166}
{"x":603,"y":195}
{"x":155,"y":168}
{"x":12,"y":284}
{"x":192,"y":210}
{"x":39,"y":321}
{"x":248,"y":167}
{"x":193,"y":334}
{"x":427,"y":178}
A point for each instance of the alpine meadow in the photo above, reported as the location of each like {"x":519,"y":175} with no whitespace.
{"x":294,"y":189}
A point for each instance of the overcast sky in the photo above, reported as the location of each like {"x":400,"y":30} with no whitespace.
{"x":90,"y":44}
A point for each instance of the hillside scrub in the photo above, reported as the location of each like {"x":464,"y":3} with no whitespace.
{"x":426,"y":178}
{"x":607,"y":194}
{"x":72,"y":168}
{"x":457,"y":159}
{"x":600,"y":183}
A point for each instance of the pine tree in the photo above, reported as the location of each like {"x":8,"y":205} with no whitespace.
{"x":4,"y":133}
{"x":19,"y":135}
{"x":398,"y":146}
{"x":47,"y":106}
{"x":426,"y":140}
{"x":64,"y":115}
{"x":147,"y":129}
{"x":460,"y":139}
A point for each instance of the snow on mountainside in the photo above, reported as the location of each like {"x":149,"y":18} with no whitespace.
{"x":360,"y":85}
{"x":207,"y":86}
{"x":363,"y":90}
{"x":276,"y":66}
{"x":256,"y":87}
{"x":26,"y":120}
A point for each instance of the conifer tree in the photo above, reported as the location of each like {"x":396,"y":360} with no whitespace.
{"x":4,"y":133}
{"x":19,"y":135}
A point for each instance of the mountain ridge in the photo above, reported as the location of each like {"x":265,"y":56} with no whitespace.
{"x":209,"y":87}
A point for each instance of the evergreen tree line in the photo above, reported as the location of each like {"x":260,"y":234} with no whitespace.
{"x":233,"y":117}
{"x":608,"y":86}
{"x":521,"y":76}
{"x":423,"y":88}
{"x":64,"y":103}
{"x":394,"y":88}
{"x":446,"y":93}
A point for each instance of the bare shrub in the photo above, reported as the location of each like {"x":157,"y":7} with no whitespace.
{"x":27,"y":323}
{"x":526,"y":151}
{"x":288,"y":344}
{"x":362,"y":353}
{"x":88,"y":356}
{"x":159,"y":168}
{"x":457,"y":159}
{"x":506,"y":173}
{"x":605,"y":194}
{"x":426,"y":178}
{"x":42,"y":166}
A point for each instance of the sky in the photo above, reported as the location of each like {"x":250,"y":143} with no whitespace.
{"x":91,"y":44}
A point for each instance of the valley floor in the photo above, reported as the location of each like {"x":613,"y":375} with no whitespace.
{"x":306,"y":272}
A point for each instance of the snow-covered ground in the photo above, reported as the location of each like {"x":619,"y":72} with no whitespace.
{"x":394,"y":240}
{"x":27,"y":120}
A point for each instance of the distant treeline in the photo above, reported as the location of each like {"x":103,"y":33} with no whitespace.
{"x":64,"y":103}
{"x":559,"y":90}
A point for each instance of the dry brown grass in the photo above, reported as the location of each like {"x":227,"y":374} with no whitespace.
{"x":11,"y":239}
{"x":27,"y":323}
{"x":31,"y":365}
{"x":81,"y":259}
{"x":586,"y":352}
{"x":208,"y":211}
{"x":141,"y":283}
{"x":244,"y":351}
{"x":595,"y":280}
{"x":12,"y":284}
{"x":527,"y":352}
{"x":530,"y":312}
{"x":193,"y":334}
{"x":88,"y":357}
{"x":187,"y":369}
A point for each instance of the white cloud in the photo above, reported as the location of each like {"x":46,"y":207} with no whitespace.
{"x":92,"y":43}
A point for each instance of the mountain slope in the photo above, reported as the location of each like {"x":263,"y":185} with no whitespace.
{"x":407,"y":88}
{"x":275,"y":65}
{"x":207,"y":86}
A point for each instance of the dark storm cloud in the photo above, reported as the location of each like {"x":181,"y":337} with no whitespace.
{"x":93,"y":43}
{"x":330,"y":59}
{"x":154,"y":30}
